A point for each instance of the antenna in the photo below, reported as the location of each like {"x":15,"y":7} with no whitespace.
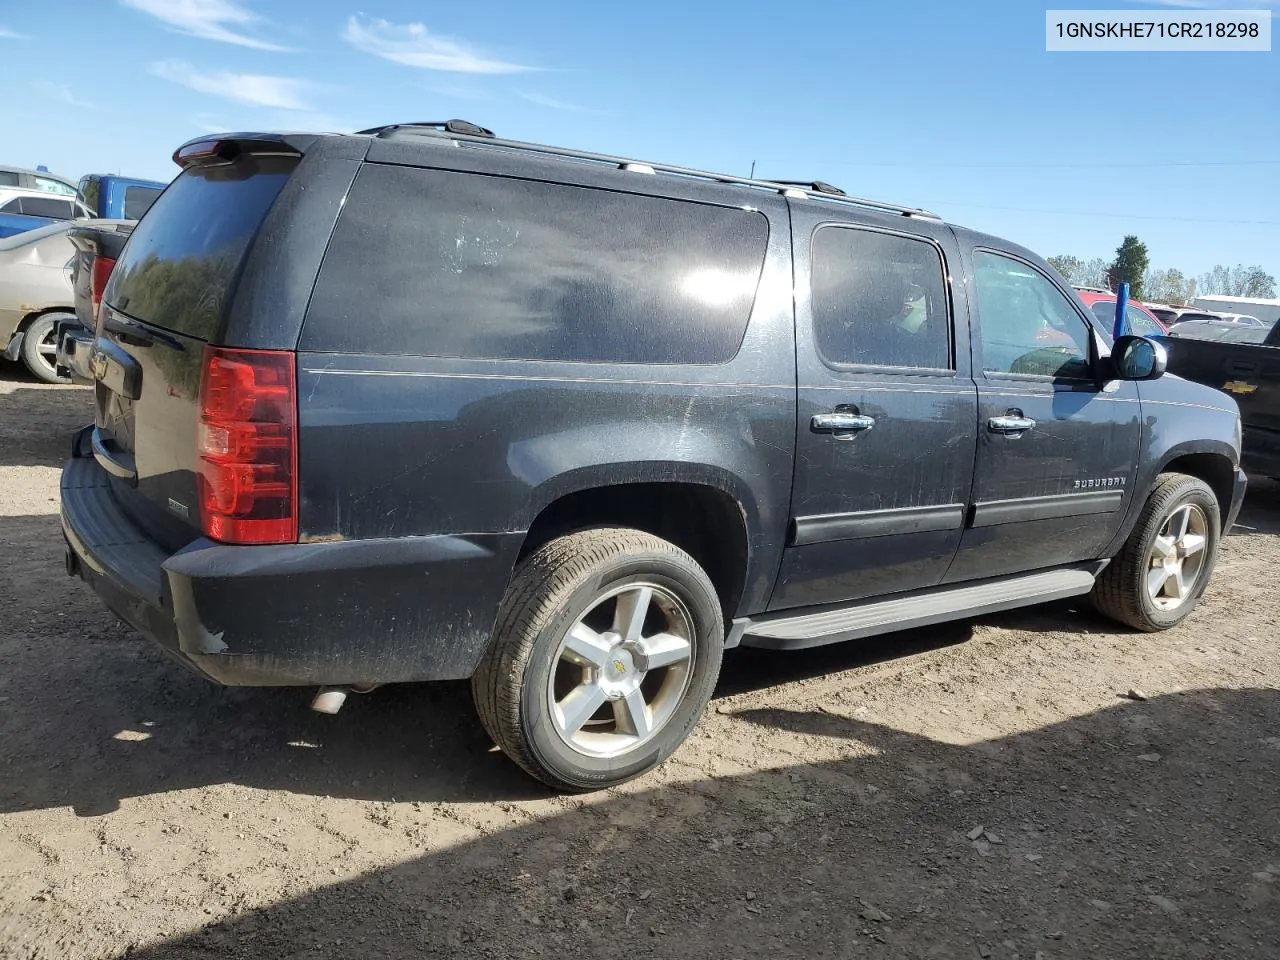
{"x":752,"y":175}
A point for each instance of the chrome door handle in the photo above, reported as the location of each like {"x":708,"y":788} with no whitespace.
{"x":1010,"y":424}
{"x":841,"y":422}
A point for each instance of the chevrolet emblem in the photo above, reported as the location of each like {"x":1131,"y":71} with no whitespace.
{"x":1239,"y":386}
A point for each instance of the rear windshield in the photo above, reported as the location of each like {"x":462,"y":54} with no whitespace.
{"x":180,"y":265}
{"x":138,"y":200}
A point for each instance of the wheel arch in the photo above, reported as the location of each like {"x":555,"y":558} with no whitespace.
{"x":12,"y":348}
{"x":1212,"y":461}
{"x":700,"y":512}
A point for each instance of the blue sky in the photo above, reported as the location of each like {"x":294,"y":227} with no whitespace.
{"x":951,"y":105}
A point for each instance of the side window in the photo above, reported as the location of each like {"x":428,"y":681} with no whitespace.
{"x":879,"y":300}
{"x":54,"y":186}
{"x":8,"y":178}
{"x":54,"y":207}
{"x":461,"y":265}
{"x":1028,"y":326}
{"x":13,"y":206}
{"x":138,"y":200}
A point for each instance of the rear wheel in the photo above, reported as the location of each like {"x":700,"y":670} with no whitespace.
{"x":1166,"y":563}
{"x":606,"y":650}
{"x":40,"y":348}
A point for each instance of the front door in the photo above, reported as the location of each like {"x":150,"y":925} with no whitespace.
{"x":1057,"y":449}
{"x":886,"y":412}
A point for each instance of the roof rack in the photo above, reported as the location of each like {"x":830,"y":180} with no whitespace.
{"x":461,"y":127}
{"x":813,"y":189}
{"x":815,"y":186}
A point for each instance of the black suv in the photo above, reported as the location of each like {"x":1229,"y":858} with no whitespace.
{"x":423,"y":404}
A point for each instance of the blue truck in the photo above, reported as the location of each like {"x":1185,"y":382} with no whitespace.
{"x":99,"y":196}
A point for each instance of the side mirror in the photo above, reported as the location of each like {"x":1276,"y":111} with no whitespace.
{"x":1139,"y":358}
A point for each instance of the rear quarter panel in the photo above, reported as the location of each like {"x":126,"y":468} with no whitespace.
{"x":395,"y":446}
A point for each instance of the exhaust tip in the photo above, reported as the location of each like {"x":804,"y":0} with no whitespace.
{"x":329,"y":700}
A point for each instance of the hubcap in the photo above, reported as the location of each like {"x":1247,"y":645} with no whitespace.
{"x":621,"y":670}
{"x":47,"y":350}
{"x":1177,"y":557}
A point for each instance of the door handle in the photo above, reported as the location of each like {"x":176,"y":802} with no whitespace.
{"x":841,"y":422}
{"x":1010,"y":423}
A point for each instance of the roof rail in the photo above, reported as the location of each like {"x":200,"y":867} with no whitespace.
{"x":461,"y":127}
{"x":815,"y":186}
{"x":812,"y":189}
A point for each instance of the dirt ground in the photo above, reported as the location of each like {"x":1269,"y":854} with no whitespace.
{"x":980,"y":790}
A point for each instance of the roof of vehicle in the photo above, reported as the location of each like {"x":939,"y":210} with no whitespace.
{"x":39,"y":173}
{"x":1260,"y":301}
{"x":8,"y":193}
{"x":127,"y":181}
{"x":463,"y":132}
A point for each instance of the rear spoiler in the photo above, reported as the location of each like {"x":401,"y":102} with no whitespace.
{"x":224,"y":148}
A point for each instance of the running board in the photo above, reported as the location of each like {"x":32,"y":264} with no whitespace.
{"x":788,"y":630}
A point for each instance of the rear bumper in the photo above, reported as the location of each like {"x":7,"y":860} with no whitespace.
{"x":369,"y":611}
{"x":74,"y":343}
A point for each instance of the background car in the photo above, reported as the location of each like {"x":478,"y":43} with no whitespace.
{"x":22,"y":209}
{"x":1186,"y":314}
{"x":1141,"y":321}
{"x":35,"y":293}
{"x":36,"y":180}
{"x":1243,"y":319}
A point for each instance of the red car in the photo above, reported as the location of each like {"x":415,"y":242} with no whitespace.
{"x":1140,"y":321}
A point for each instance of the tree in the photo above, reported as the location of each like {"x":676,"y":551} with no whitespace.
{"x":1238,"y":281}
{"x":1165,"y":286}
{"x":1068,"y":266}
{"x":1129,"y":266}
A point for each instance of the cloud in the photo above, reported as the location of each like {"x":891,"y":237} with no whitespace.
{"x":60,"y":92}
{"x":552,"y":104}
{"x":207,"y":19}
{"x":7,"y":34}
{"x":254,"y":89}
{"x":454,"y":91}
{"x":414,"y":46}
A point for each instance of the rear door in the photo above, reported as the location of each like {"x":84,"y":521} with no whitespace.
{"x":1057,"y":449}
{"x":885,"y":424}
{"x":167,"y":297}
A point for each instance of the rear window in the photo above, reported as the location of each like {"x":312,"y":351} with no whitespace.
{"x":431,"y":263}
{"x":180,"y":264}
{"x":54,"y":207}
{"x":138,"y":200}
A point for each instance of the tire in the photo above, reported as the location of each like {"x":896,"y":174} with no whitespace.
{"x":1124,"y":590}
{"x":39,"y":348}
{"x":535,"y":682}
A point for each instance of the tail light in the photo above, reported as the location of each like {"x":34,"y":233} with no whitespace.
{"x":248,"y":446}
{"x":102,"y":267}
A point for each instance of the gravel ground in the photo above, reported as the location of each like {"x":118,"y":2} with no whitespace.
{"x":979,"y":790}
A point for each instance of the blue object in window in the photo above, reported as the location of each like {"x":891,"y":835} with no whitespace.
{"x":1122,"y":301}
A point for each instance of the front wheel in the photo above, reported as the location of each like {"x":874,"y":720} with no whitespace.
{"x":1164,"y":567}
{"x":605,"y":652}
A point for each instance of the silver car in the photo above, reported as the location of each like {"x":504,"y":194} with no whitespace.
{"x":35,"y":293}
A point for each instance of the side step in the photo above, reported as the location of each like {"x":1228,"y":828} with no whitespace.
{"x":788,"y":630}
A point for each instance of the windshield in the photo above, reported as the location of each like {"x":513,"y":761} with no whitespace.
{"x":1139,"y":323}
